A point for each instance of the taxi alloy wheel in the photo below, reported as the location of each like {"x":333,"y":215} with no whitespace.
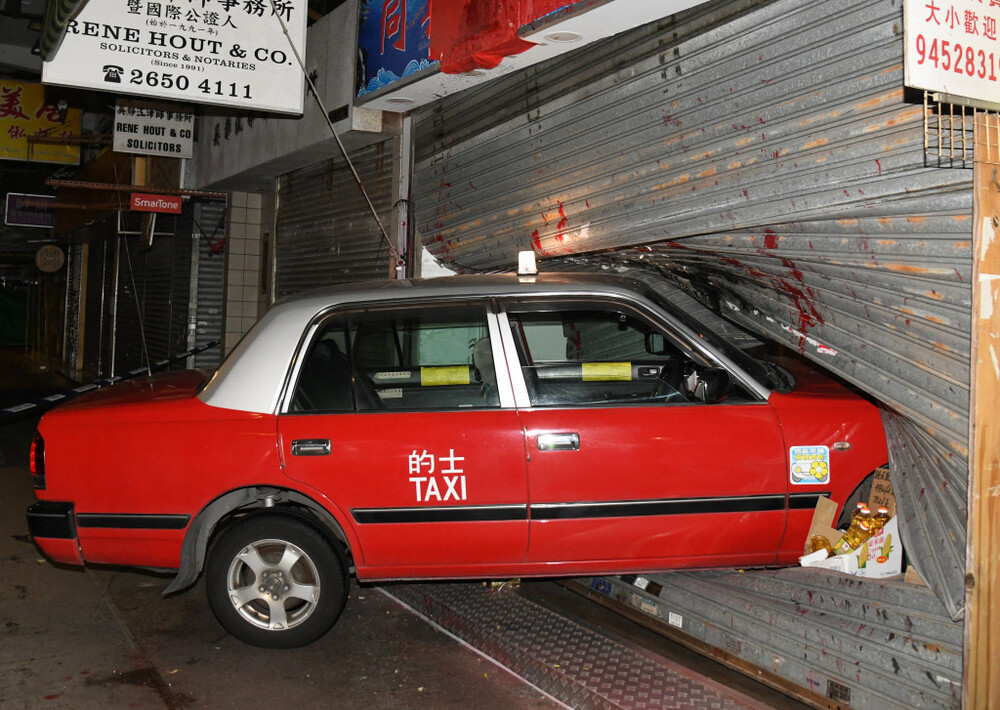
{"x":275,"y":582}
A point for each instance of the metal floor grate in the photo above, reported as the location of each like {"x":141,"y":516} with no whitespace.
{"x":574,"y":664}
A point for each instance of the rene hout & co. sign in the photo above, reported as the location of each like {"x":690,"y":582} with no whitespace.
{"x":214,"y":51}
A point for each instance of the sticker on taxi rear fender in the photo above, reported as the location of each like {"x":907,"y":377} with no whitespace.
{"x":810,"y":465}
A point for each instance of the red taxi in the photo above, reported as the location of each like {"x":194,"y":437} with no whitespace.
{"x":463,"y":427}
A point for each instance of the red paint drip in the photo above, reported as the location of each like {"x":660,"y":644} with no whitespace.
{"x":796,"y":274}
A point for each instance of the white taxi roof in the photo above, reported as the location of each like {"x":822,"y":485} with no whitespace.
{"x":252,"y":376}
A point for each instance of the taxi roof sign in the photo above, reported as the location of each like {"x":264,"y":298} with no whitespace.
{"x":526,"y":264}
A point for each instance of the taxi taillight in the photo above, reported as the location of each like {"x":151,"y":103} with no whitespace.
{"x":37,"y":462}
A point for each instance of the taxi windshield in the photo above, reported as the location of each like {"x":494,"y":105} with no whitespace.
{"x":726,"y":337}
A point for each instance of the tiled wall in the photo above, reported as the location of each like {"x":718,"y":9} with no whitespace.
{"x":243,"y":264}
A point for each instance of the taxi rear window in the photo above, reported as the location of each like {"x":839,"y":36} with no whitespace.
{"x":426,"y":358}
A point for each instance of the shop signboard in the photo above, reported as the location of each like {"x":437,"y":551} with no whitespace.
{"x":50,"y":258}
{"x":953,"y":47}
{"x":222,"y":52}
{"x":163,"y":204}
{"x":393,"y":41}
{"x":27,"y":116}
{"x":29,"y":210}
{"x":149,"y":128}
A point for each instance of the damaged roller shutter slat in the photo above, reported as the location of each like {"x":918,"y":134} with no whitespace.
{"x":767,"y":157}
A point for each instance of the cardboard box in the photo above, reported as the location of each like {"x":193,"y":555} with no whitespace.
{"x":822,"y":522}
{"x":839,"y":563}
{"x":882,"y":493}
{"x":879,"y":557}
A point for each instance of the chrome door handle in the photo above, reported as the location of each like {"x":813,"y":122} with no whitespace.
{"x":562,"y":441}
{"x":311,"y":447}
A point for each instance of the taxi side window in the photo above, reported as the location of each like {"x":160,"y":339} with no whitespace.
{"x":592,"y":357}
{"x":429,"y":358}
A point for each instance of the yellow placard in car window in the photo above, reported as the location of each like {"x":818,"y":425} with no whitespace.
{"x":604,"y":371}
{"x":453,"y":375}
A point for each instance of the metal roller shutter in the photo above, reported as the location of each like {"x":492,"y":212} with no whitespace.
{"x":153,"y":292}
{"x":768,"y":157}
{"x":97,"y":309}
{"x":127,"y":321}
{"x":325,"y":232}
{"x":209,"y":274}
{"x":137,"y":291}
{"x":75,"y":272}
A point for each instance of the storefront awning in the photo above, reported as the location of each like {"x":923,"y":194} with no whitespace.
{"x":58,"y":13}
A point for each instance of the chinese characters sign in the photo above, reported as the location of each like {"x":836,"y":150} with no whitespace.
{"x":227,"y":52}
{"x":153,"y":129}
{"x":437,"y":478}
{"x":953,"y":47}
{"x":393,"y":41}
{"x":25,"y":115}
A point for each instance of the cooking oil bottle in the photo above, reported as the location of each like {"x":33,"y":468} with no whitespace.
{"x":857,"y":511}
{"x":879,"y":519}
{"x":859,"y":531}
{"x":820,"y":542}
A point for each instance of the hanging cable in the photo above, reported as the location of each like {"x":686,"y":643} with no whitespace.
{"x":138,"y":309}
{"x":135,"y":291}
{"x":394,"y":253}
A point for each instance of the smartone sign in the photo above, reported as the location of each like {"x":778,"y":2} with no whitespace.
{"x":953,"y":47}
{"x":211,"y":51}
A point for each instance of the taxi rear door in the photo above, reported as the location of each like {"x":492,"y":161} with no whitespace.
{"x":398,"y":418}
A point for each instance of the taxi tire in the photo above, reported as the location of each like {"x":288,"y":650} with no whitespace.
{"x":328,"y":562}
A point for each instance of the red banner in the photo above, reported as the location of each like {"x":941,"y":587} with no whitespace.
{"x":478,"y":34}
{"x":143,"y":202}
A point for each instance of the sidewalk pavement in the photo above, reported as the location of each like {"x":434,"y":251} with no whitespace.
{"x":52,"y":653}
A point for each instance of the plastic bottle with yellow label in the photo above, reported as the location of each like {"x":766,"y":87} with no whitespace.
{"x":859,"y":531}
{"x":879,"y":519}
